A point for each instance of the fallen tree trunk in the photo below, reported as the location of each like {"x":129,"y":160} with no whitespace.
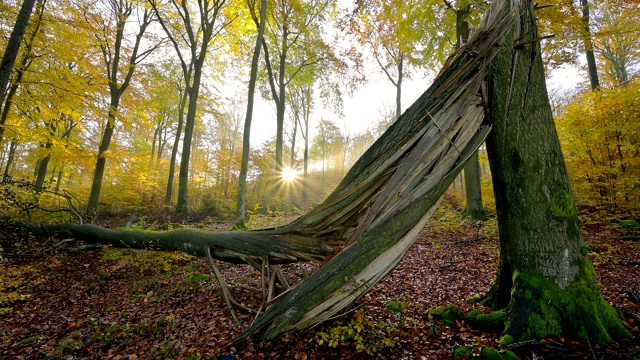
{"x":364,"y":228}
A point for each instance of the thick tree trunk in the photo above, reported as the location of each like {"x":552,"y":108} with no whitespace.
{"x":545,"y":278}
{"x":25,"y":63}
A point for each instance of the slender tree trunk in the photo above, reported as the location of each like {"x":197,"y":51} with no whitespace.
{"x":246,"y":136}
{"x":59,"y":178}
{"x":280,"y":110}
{"x":42,"y":168}
{"x":11,"y":156}
{"x":183,"y":176}
{"x":13,"y":47}
{"x":472,"y":185}
{"x":98,"y":175}
{"x":174,"y":150}
{"x":292,"y":154}
{"x":156,"y":135}
{"x":588,"y":45}
{"x":399,"y":86}
{"x":545,"y":279}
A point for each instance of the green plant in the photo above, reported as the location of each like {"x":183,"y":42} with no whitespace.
{"x":69,"y":345}
{"x":462,"y":352}
{"x":31,"y":339}
{"x":396,"y":306}
{"x":359,"y":332}
{"x":144,"y":260}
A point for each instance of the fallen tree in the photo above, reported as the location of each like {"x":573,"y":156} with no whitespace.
{"x":364,"y":228}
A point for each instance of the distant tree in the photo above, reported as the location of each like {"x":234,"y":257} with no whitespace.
{"x":109,"y":26}
{"x":294,"y":41}
{"x":246,"y":137}
{"x":393,"y":32}
{"x":191,"y":30}
{"x":326,"y":145}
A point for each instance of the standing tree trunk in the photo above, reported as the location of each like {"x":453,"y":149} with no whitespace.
{"x":545,"y":279}
{"x":13,"y":46}
{"x":588,"y":46}
{"x":398,"y":85}
{"x":246,"y":136}
{"x":98,"y":175}
{"x":111,"y":55}
{"x":472,"y":187}
{"x":13,"y":146}
{"x":24,"y":64}
{"x":183,"y":174}
{"x":174,"y":150}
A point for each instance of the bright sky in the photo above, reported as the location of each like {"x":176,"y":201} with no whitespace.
{"x":361,"y":110}
{"x":367,"y":105}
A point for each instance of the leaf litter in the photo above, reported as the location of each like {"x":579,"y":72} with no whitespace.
{"x":129,"y":304}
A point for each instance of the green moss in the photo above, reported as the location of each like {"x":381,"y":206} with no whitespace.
{"x":474,"y":299}
{"x":630,"y":238}
{"x":240,"y":225}
{"x":542,"y":308}
{"x":448,"y":315}
{"x":506,"y":340}
{"x":584,"y":250}
{"x":629,"y":224}
{"x":492,"y":322}
{"x":462,"y":352}
{"x":493,"y":354}
{"x":562,"y":205}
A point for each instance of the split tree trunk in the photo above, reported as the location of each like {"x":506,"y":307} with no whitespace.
{"x":545,"y":278}
{"x":364,"y":228}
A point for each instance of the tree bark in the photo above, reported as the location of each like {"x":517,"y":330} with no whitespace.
{"x":111,"y":60}
{"x":13,"y":146}
{"x":472,"y":186}
{"x":246,"y":136}
{"x":545,"y":279}
{"x":25,"y":62}
{"x":13,"y":46}
{"x":174,"y":149}
{"x":588,"y":46}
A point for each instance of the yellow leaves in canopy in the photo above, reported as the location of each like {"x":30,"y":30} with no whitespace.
{"x":600,"y":132}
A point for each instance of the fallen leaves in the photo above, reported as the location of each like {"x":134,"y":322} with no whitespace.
{"x":130,"y":305}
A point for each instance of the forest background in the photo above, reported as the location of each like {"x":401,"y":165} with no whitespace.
{"x":142,"y":90}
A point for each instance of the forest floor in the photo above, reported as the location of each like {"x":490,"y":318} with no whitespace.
{"x":126,"y":304}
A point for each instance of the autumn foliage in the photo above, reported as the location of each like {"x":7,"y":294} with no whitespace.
{"x":600,"y":135}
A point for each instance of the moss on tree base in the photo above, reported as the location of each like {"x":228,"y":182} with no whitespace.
{"x":539,"y":307}
{"x":492,"y":322}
